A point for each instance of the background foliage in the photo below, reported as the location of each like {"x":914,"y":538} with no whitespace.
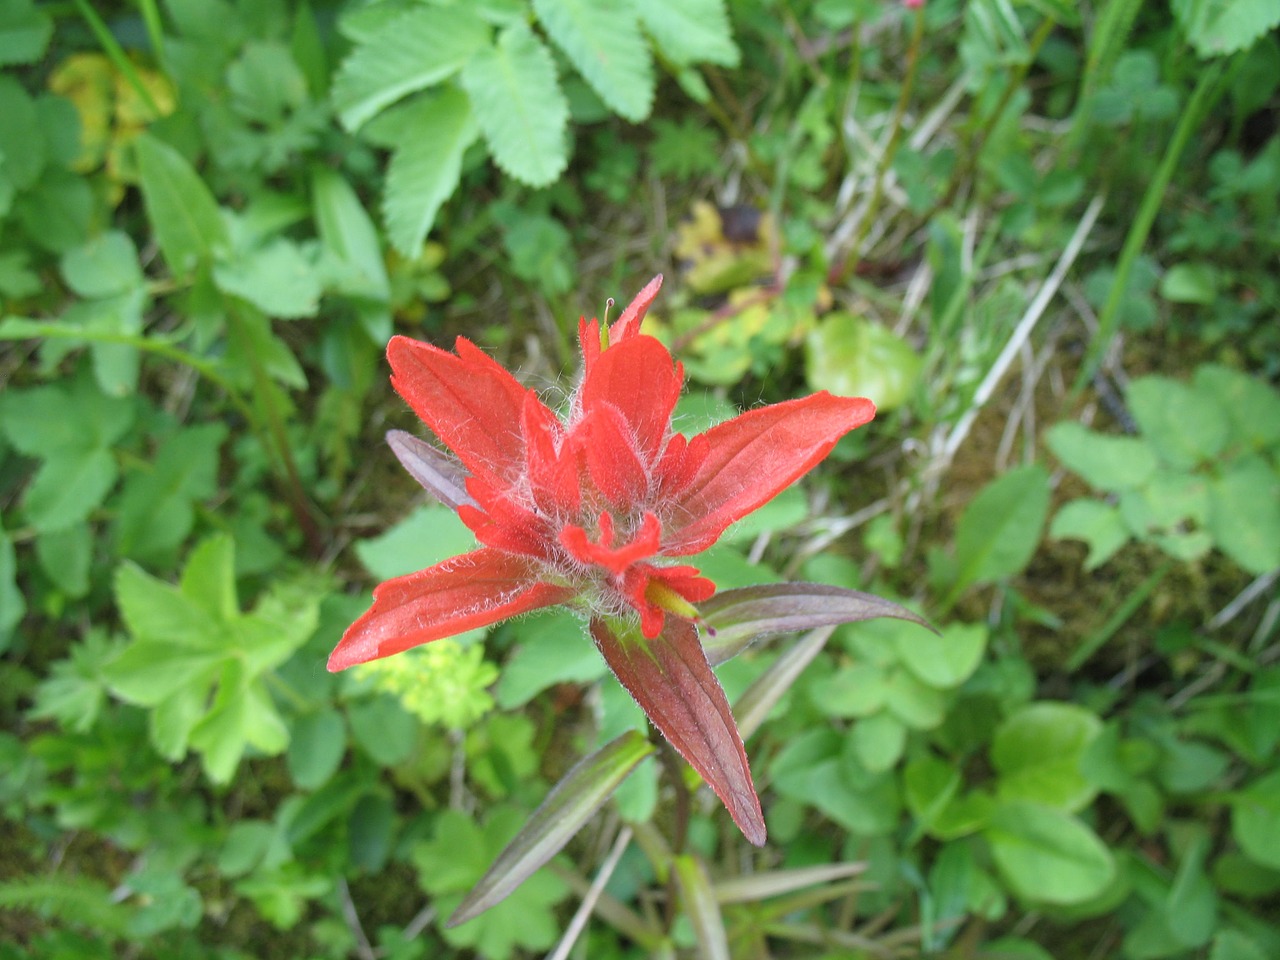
{"x":1041,"y":236}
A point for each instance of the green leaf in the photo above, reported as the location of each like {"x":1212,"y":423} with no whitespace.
{"x":383,"y":729}
{"x":421,"y":47}
{"x":690,"y":30}
{"x":738,"y":617}
{"x":520,"y":107}
{"x":1104,"y":462}
{"x":455,"y":859}
{"x":65,"y":556}
{"x":1096,"y":523}
{"x":75,"y":690}
{"x":999,"y":531}
{"x":1185,"y":426}
{"x":22,"y":141}
{"x":1252,"y":405}
{"x":1244,"y":514}
{"x":550,"y":649}
{"x":277,"y":279}
{"x":1255,"y":819}
{"x":700,"y":906}
{"x":1197,"y":283}
{"x":853,"y":358}
{"x":1233,"y":945}
{"x":24,"y":32}
{"x":429,"y":135}
{"x":1216,"y":28}
{"x":157,"y":506}
{"x":197,"y":662}
{"x":105,"y":266}
{"x":430,"y":534}
{"x":879,"y":741}
{"x":183,"y":213}
{"x":316,"y":748}
{"x":64,"y":419}
{"x":67,"y":488}
{"x":569,"y":805}
{"x":346,"y":230}
{"x":943,"y":660}
{"x":1038,"y":750}
{"x":1048,"y":856}
{"x":13,"y":606}
{"x":603,"y":41}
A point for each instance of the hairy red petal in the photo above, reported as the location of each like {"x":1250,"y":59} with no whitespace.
{"x":602,"y":552}
{"x":754,"y":457}
{"x":628,"y":325}
{"x":469,"y":400}
{"x":638,"y":377}
{"x":553,"y":474}
{"x":670,"y":679}
{"x":473,"y":590}
{"x":612,"y":462}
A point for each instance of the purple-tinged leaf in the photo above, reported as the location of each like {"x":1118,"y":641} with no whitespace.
{"x":738,"y":618}
{"x":671,"y":680}
{"x":441,"y":476}
{"x":567,"y":807}
{"x":774,"y":883}
{"x":700,"y":907}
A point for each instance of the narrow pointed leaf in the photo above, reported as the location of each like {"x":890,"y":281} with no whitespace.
{"x":441,"y":476}
{"x":739,"y":617}
{"x":183,"y":213}
{"x":700,"y":907}
{"x":774,"y":883}
{"x":567,"y":807}
{"x":671,"y":680}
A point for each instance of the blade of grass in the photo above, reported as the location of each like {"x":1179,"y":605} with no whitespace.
{"x":115,"y":53}
{"x":1094,"y":642}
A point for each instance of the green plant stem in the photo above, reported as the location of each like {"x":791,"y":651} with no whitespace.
{"x":965,"y":169}
{"x":1206,"y":92}
{"x":854,"y":252}
{"x":274,"y":427}
{"x":1119,"y":618}
{"x":115,"y":53}
{"x":155,"y":33}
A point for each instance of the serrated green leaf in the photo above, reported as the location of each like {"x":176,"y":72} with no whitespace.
{"x":567,"y":807}
{"x":519,"y":106}
{"x":63,"y":419}
{"x":1105,"y":462}
{"x":430,"y":135}
{"x":690,"y":30}
{"x":999,"y":531}
{"x":209,"y":579}
{"x":157,"y":506}
{"x":147,"y":672}
{"x":155,"y":610}
{"x":421,"y":47}
{"x":75,"y":690}
{"x":1216,"y":28}
{"x":24,"y":32}
{"x":603,"y":41}
{"x":183,"y":213}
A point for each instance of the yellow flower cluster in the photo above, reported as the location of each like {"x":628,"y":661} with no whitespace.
{"x":441,"y":683}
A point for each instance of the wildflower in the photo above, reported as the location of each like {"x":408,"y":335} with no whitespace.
{"x":588,"y":511}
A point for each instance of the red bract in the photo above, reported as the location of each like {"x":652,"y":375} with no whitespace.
{"x":586,"y":511}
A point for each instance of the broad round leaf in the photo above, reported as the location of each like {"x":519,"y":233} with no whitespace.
{"x":1046,"y":855}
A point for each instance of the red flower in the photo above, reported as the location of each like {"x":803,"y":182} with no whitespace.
{"x":584,"y":511}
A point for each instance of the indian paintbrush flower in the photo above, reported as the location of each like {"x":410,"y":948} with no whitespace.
{"x":589,"y":511}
